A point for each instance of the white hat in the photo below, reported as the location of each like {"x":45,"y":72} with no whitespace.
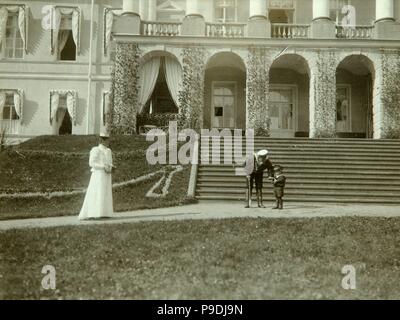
{"x":262,"y":153}
{"x":104,"y":134}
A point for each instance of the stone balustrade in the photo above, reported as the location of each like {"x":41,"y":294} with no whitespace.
{"x":357,"y":32}
{"x":165,"y":29}
{"x":289,"y":31}
{"x":226,"y":30}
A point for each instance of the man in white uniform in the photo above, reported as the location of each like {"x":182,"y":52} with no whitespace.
{"x":99,"y":200}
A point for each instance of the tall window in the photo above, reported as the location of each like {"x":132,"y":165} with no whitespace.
{"x":14,"y":46}
{"x":281,"y":109}
{"x":10,"y":118}
{"x":226,"y":11}
{"x":66,"y":43}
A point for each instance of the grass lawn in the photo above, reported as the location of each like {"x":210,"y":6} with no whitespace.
{"x":220,"y":259}
{"x":49,"y":163}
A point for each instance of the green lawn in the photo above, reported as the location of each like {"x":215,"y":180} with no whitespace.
{"x":50,"y":163}
{"x":220,"y":259}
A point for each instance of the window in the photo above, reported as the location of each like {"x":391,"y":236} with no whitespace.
{"x":225,"y":11}
{"x":13,"y":46}
{"x":336,"y":14}
{"x":169,"y":11}
{"x":224,"y":102}
{"x":66,"y":44}
{"x":10,"y":119}
{"x":281,"y":109}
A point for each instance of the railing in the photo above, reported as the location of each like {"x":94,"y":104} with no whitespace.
{"x":165,"y":29}
{"x":357,"y":32}
{"x":289,"y":31}
{"x":226,"y":30}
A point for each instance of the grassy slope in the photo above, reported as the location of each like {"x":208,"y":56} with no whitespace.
{"x":61,"y":164}
{"x":229,"y":259}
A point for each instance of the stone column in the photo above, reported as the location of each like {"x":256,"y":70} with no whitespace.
{"x":192,"y":92}
{"x":386,"y":96}
{"x":322,"y":27}
{"x":193,"y":24}
{"x":386,"y":26}
{"x":124,"y":88}
{"x":323,"y":95}
{"x":129,"y":22}
{"x":257,"y":93}
{"x":258,"y":25}
{"x":384,"y":10}
{"x":143,"y":9}
{"x":152,"y":10}
{"x":128,"y":6}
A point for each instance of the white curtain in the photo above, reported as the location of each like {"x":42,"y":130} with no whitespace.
{"x":76,"y":28}
{"x":2,"y":103}
{"x":71,"y":106}
{"x":109,"y":21}
{"x":18,"y":105}
{"x":3,"y":23}
{"x":106,"y":107}
{"x":22,"y":25}
{"x":148,"y":77}
{"x":173,"y":74}
{"x":55,"y":100}
{"x":56,"y":21}
{"x":63,"y":37}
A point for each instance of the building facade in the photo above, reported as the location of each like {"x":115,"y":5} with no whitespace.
{"x":286,"y":68}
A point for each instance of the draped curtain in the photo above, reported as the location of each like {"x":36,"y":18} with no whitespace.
{"x":2,"y":103}
{"x":173,"y":75}
{"x":57,"y":15}
{"x":147,"y":80}
{"x":22,"y":22}
{"x":71,"y":106}
{"x":55,"y":100}
{"x":106,"y":107}
{"x":109,"y":21}
{"x":18,"y":98}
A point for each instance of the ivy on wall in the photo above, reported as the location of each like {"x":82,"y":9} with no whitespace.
{"x":191,"y":97}
{"x":324,"y":83}
{"x":124,"y":89}
{"x":259,"y":63}
{"x":390,"y":95}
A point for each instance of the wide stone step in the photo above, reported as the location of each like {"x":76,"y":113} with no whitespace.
{"x":300,"y":191}
{"x":319,"y":175}
{"x":307,"y":199}
{"x":313,"y":166}
{"x":295,"y":186}
{"x":306,"y":172}
{"x":308,"y":181}
{"x":322,"y":169}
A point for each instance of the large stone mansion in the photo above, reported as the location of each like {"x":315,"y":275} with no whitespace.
{"x":287,"y":68}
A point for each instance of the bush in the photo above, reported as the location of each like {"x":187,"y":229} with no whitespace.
{"x":156,"y":119}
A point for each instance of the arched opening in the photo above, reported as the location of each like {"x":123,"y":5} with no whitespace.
{"x":289,"y":97}
{"x":225,"y":92}
{"x":160,"y":81}
{"x":354,"y":97}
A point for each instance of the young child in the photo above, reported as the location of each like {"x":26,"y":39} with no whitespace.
{"x":279,"y":182}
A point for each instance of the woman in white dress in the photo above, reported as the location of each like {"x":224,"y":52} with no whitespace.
{"x":99,"y":200}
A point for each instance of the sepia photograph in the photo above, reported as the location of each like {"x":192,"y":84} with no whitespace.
{"x":200,"y":150}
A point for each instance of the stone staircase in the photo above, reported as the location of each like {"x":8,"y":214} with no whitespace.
{"x":323,"y":170}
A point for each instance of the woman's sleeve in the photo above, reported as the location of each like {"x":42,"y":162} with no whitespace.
{"x":94,"y":159}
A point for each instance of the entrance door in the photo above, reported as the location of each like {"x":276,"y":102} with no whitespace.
{"x":343,"y":109}
{"x":282,"y":111}
{"x":223,"y":105}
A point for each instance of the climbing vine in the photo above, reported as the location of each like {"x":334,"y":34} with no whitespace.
{"x":324,"y":83}
{"x":124,"y":89}
{"x":259,"y":63}
{"x":390,"y":95}
{"x":191,"y":97}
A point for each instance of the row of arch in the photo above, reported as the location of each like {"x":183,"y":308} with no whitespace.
{"x":357,"y":68}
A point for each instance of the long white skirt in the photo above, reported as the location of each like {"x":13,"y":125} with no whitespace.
{"x":98,"y":200}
